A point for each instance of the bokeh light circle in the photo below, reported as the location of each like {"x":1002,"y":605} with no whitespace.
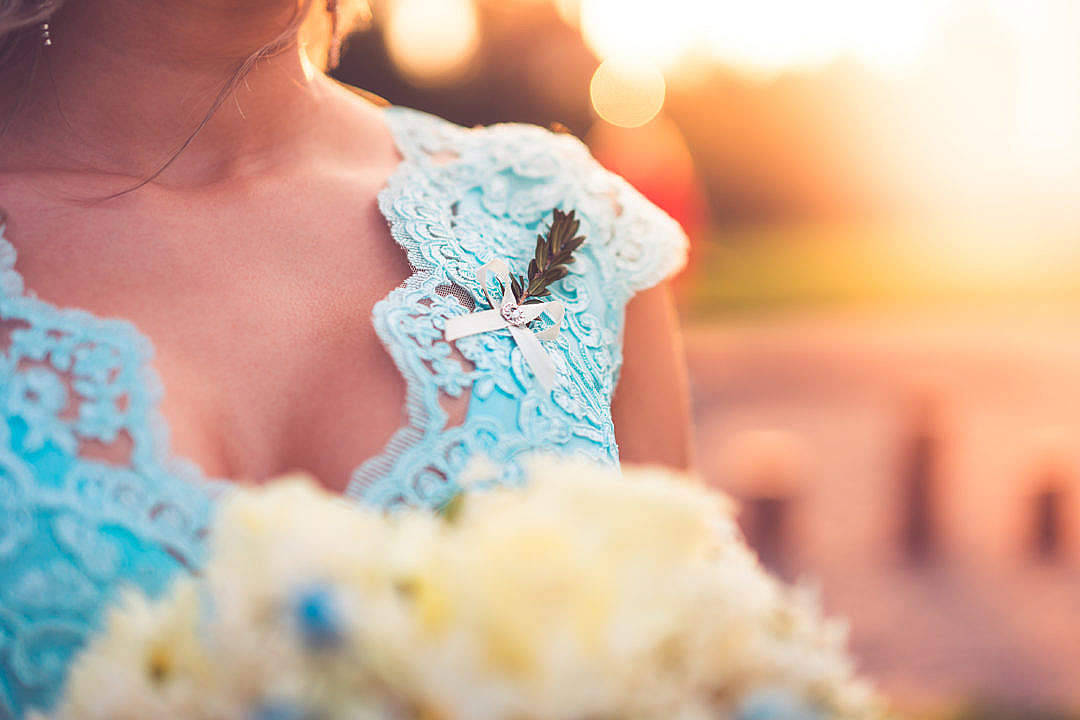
{"x":432,"y":41}
{"x":627,"y":93}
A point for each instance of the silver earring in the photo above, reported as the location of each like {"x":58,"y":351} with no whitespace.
{"x":46,"y":37}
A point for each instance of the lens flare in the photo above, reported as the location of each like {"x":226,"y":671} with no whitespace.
{"x":627,"y":93}
{"x":432,"y":41}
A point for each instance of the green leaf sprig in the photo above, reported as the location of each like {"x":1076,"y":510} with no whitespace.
{"x":553,"y":254}
{"x":450,"y":510}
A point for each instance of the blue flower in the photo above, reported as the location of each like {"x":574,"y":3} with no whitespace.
{"x":281,"y":710}
{"x":776,"y":704}
{"x":319,"y":618}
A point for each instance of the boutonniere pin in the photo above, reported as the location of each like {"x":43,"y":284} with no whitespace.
{"x":522,"y":296}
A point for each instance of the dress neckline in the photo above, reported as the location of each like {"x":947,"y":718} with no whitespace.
{"x":154,"y":448}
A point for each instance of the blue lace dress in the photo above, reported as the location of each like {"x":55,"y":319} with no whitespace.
{"x":78,"y":391}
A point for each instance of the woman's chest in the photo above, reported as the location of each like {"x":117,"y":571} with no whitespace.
{"x":259,"y":317}
{"x":283,"y":341}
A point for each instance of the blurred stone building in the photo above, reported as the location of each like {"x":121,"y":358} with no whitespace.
{"x":925,"y":475}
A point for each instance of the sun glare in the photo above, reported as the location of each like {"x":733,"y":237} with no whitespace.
{"x":760,"y":37}
{"x":764,"y":35}
{"x":639,"y":29}
{"x":1047,"y":82}
{"x":1007,"y":73}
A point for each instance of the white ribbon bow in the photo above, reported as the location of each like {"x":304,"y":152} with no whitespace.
{"x":506,"y":313}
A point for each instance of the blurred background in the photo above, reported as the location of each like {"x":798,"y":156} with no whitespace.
{"x":881,"y":310}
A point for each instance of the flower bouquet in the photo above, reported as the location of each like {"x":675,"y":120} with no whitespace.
{"x":588,"y":594}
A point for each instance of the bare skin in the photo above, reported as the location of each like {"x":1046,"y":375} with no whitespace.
{"x":253,"y":262}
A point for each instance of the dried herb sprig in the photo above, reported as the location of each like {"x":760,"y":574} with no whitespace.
{"x":553,"y":254}
{"x":450,"y":510}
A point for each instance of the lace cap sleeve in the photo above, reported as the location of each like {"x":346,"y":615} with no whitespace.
{"x":647,"y":246}
{"x":642,"y":244}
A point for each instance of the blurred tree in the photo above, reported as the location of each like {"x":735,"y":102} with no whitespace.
{"x":919,"y":483}
{"x":1047,"y":531}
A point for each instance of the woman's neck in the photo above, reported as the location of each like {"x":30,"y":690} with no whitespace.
{"x":126,"y":82}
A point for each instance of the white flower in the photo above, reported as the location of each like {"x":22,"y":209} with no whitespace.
{"x":478,"y":470}
{"x":587,"y":593}
{"x":149,"y":662}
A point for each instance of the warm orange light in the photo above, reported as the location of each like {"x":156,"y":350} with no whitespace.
{"x":627,"y":93}
{"x":763,"y":35}
{"x":771,"y":35}
{"x":656,"y":159}
{"x":1047,"y":60}
{"x":432,"y":41}
{"x":639,"y":29}
{"x":569,"y":10}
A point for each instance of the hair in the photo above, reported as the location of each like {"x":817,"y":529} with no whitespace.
{"x":18,"y":16}
{"x":22,"y":18}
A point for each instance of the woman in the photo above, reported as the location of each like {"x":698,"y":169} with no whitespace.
{"x":184,"y":166}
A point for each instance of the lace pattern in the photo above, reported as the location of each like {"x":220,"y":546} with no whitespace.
{"x":91,"y":498}
{"x":461,"y":198}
